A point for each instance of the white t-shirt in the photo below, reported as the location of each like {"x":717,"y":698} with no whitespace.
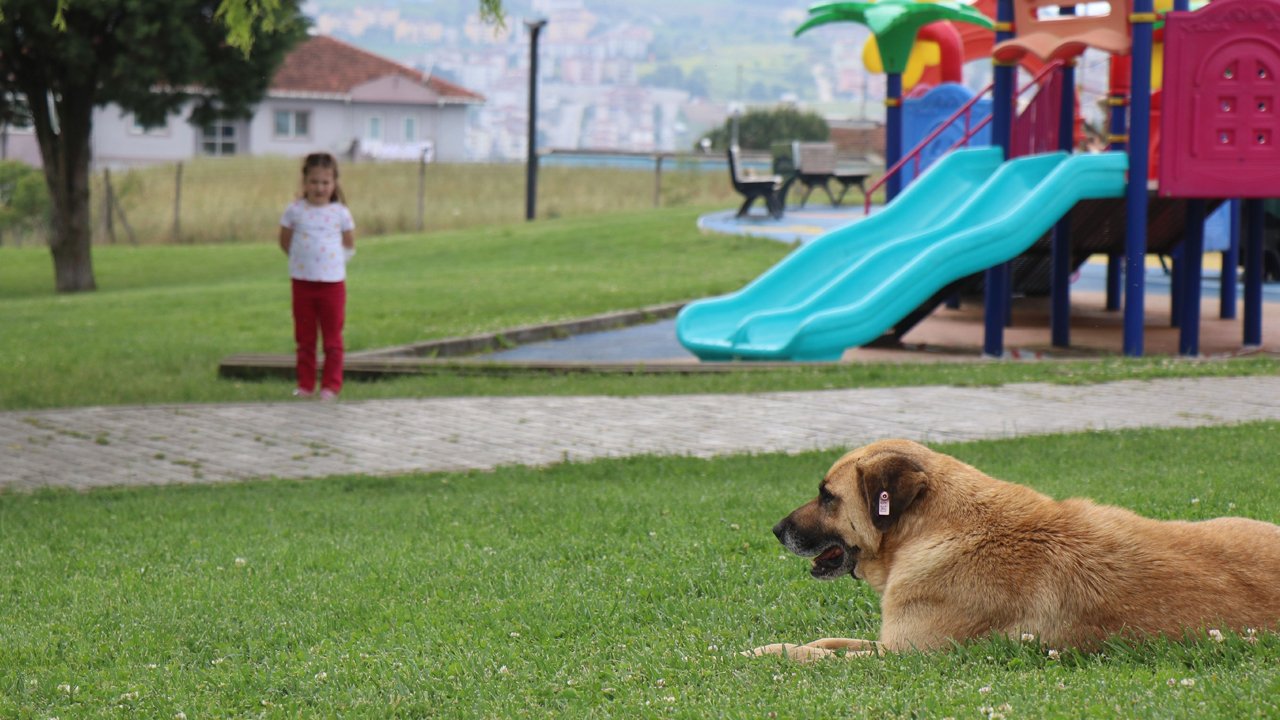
{"x":316,"y":252}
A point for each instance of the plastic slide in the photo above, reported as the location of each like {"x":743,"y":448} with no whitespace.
{"x":845,"y":289}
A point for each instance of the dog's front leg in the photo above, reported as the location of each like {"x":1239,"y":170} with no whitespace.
{"x":799,"y":653}
{"x":853,"y":645}
{"x":818,"y":649}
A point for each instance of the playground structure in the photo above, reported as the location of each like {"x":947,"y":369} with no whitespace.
{"x":974,"y":212}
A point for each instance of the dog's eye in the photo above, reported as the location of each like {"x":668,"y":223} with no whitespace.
{"x":824,"y":496}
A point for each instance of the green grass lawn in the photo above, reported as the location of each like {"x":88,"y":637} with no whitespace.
{"x":164,"y":316}
{"x":619,"y":588}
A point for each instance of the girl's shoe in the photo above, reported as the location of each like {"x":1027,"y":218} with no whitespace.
{"x":300,"y":393}
{"x":327,"y":394}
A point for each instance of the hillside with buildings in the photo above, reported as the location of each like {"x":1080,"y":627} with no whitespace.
{"x":616,"y":75}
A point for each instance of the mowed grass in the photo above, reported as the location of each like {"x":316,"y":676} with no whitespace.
{"x":165,"y":316}
{"x":619,"y":588}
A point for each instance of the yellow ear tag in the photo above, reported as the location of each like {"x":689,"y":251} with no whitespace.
{"x":884,"y":502}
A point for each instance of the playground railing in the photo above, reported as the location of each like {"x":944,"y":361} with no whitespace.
{"x":970,"y":130}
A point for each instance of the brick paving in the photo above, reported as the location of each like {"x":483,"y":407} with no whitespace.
{"x":87,"y":448}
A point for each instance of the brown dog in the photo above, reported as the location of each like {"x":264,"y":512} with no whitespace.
{"x":955,"y":554}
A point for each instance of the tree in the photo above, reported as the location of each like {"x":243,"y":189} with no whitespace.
{"x":760,"y":128}
{"x":60,"y":61}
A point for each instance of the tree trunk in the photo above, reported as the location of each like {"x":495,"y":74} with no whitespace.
{"x":66,"y":154}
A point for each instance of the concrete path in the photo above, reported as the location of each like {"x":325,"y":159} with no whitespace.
{"x":154,"y":445}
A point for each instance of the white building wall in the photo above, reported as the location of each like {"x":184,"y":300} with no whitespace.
{"x":332,"y":126}
{"x":329,"y":127}
{"x":116,"y":141}
{"x":451,"y":134}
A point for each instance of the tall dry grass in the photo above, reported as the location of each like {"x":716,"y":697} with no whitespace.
{"x":241,"y":199}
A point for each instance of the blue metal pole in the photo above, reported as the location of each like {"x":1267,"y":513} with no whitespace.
{"x":1192,"y":266}
{"x":1253,"y":273}
{"x":893,"y":132}
{"x":1135,"y":241}
{"x":1060,"y":248}
{"x":1117,"y":141}
{"x":996,"y":286}
{"x":1230,"y":261}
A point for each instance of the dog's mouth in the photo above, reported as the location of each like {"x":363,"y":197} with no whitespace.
{"x":833,"y":562}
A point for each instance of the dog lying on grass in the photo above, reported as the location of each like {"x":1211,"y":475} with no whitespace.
{"x":955,"y":554}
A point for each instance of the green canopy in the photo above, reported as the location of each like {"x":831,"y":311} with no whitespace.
{"x":894,"y":22}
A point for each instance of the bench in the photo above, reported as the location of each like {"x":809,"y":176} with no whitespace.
{"x":755,"y":187}
{"x":816,"y":167}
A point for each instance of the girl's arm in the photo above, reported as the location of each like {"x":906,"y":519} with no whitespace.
{"x":286,"y":238}
{"x":349,"y":239}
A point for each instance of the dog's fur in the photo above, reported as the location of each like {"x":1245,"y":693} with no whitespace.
{"x":959,"y":555}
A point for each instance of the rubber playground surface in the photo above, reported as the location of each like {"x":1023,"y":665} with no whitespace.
{"x":948,"y":334}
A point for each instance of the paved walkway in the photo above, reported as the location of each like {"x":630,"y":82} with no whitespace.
{"x":153,"y":445}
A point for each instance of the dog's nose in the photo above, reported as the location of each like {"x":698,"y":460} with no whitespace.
{"x":780,"y":530}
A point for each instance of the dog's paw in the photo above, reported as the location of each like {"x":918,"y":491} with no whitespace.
{"x":799,"y":653}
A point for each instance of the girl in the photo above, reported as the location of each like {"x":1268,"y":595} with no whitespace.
{"x":317,"y":232}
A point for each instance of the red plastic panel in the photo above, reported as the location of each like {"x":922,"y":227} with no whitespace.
{"x":1220,"y":129}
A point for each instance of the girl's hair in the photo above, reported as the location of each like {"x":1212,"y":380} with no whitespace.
{"x":325,"y":161}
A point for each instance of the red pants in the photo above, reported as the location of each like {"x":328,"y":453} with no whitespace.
{"x":323,"y":306}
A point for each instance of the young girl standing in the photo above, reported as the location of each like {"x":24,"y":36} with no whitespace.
{"x":317,"y":232}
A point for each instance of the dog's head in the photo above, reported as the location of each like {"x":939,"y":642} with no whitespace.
{"x":862,"y":498}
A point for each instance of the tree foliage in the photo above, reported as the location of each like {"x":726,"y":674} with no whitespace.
{"x":760,"y":128}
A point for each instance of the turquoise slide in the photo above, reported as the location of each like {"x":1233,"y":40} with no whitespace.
{"x":968,"y":212}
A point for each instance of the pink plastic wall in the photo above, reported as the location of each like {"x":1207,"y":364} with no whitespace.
{"x":1220,"y":128}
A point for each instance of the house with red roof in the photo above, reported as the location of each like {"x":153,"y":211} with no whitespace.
{"x":329,"y":96}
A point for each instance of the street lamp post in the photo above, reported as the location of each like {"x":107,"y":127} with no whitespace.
{"x":531,"y":162}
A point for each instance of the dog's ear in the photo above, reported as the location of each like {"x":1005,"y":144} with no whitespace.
{"x":890,"y":483}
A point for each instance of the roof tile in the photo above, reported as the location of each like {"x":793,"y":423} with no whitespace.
{"x":324,"y":64}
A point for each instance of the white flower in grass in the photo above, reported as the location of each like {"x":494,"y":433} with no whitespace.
{"x":984,"y":689}
{"x":1195,"y":501}
{"x":179,"y":715}
{"x":127,"y":696}
{"x":1216,"y":634}
{"x":241,"y":562}
{"x":515,"y":634}
{"x":1187,"y":682}
{"x":322,"y":676}
{"x":1028,"y":637}
{"x":1053,"y":654}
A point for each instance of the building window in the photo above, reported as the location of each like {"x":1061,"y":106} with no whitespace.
{"x":293,"y":123}
{"x":374,"y":130}
{"x":410,"y":129}
{"x":219,"y":138}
